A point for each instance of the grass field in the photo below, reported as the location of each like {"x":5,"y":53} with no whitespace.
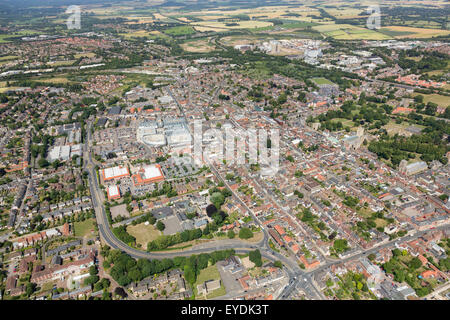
{"x":257,"y":236}
{"x":6,"y":58}
{"x":321,"y":81}
{"x":345,"y":122}
{"x":143,"y":234}
{"x":61,"y":63}
{"x":54,"y":80}
{"x":83,"y":228}
{"x":87,"y":55}
{"x":440,"y":100}
{"x":210,"y":273}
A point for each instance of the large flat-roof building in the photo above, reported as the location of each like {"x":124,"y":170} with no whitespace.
{"x":148,"y":174}
{"x":113,"y":192}
{"x":114,"y":173}
{"x":64,"y":153}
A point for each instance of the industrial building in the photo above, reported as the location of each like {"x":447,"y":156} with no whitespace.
{"x":64,"y":153}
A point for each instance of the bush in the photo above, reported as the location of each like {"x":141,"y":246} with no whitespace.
{"x":160,"y":226}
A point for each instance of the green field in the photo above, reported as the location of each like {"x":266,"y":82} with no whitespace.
{"x":210,"y":273}
{"x":440,"y":100}
{"x":143,"y":234}
{"x":179,"y":31}
{"x":83,"y":228}
{"x":321,"y":81}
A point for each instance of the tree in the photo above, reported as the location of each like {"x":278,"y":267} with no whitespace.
{"x":255,"y":257}
{"x":120,"y":292}
{"x":30,"y":288}
{"x":415,"y":263}
{"x":91,"y":280}
{"x":371,"y":256}
{"x":245,"y":233}
{"x":217,"y":198}
{"x":93,"y":270}
{"x":278,"y":264}
{"x":43,"y":163}
{"x":231,"y":234}
{"x":340,"y":245}
{"x":160,"y":226}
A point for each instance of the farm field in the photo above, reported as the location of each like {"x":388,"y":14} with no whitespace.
{"x":220,"y":26}
{"x":180,"y":30}
{"x":344,"y":12}
{"x":142,"y":34}
{"x":400,"y":32}
{"x":349,"y":32}
{"x":198,"y":46}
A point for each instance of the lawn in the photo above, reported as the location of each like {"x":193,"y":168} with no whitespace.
{"x":440,"y":100}
{"x":257,"y":236}
{"x":210,"y":273}
{"x":87,"y":55}
{"x":143,"y":234}
{"x":321,"y":81}
{"x":345,"y":122}
{"x":83,"y":228}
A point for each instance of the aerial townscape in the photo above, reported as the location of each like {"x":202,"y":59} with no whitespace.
{"x":118,"y":182}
